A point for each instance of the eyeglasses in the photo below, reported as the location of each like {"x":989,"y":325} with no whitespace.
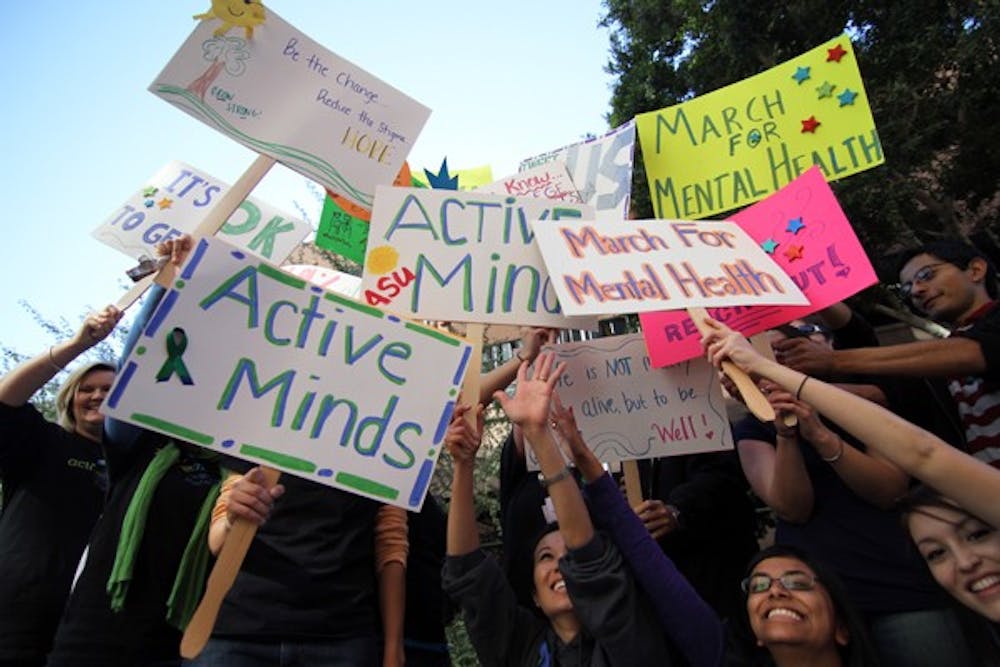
{"x":919,"y":278}
{"x":790,"y":581}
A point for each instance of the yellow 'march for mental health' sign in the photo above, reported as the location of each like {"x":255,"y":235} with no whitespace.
{"x":739,"y":144}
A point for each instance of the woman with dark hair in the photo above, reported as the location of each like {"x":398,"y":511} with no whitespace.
{"x":833,"y":497}
{"x":970,"y":484}
{"x":963,"y":554}
{"x":593,"y":611}
{"x":53,"y":487}
{"x":686,"y":619}
{"x":798,"y":613}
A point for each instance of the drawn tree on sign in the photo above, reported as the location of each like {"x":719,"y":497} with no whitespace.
{"x":228,"y":53}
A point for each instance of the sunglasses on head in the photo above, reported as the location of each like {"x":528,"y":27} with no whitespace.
{"x":803,"y":330}
{"x":790,"y":581}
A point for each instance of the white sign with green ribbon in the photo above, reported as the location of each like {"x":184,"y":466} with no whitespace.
{"x":248,"y":360}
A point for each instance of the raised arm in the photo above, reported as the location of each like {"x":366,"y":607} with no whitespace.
{"x":868,"y":475}
{"x":17,"y":386}
{"x":773,"y":465}
{"x":777,"y":474}
{"x":968,"y":481}
{"x":532,"y":340}
{"x":529,"y":408}
{"x":462,"y":441}
{"x":689,"y":622}
{"x":925,"y":358}
{"x":122,"y":435}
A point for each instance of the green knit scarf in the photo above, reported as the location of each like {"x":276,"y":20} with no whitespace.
{"x":190,"y":578}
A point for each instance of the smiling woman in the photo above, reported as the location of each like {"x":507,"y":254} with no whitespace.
{"x":798,"y":611}
{"x":962,"y":553}
{"x":54,"y":480}
{"x":592,"y":612}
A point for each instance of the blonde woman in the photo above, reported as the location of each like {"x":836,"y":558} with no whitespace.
{"x":53,"y":487}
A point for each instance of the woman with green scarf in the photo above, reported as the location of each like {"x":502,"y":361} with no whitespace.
{"x":145,"y":567}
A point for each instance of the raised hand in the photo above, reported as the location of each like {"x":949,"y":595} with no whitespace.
{"x":810,"y":426}
{"x":462,"y":439}
{"x":176,"y":250}
{"x":97,"y":326}
{"x":564,"y":423}
{"x":805,"y":355}
{"x":532,"y":340}
{"x":529,"y":407}
{"x":722,"y":343}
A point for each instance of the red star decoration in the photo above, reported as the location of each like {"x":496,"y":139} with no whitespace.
{"x":794,"y":252}
{"x":835,"y":54}
{"x":810,"y":124}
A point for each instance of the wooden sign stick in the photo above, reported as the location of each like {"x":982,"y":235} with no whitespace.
{"x":212,"y":223}
{"x":633,"y":485}
{"x":239,"y":538}
{"x":752,"y":396}
{"x":471,"y":385}
{"x":221,"y":579}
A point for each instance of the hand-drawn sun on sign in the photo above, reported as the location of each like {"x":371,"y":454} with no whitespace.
{"x":235,"y":13}
{"x":383,"y":259}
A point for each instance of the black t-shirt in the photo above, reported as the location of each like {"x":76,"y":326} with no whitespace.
{"x":309,"y":574}
{"x":90,"y":633}
{"x":53,"y":487}
{"x":866,"y":546}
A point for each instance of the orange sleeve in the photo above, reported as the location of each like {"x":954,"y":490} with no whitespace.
{"x":391,"y":542}
{"x":222,"y":503}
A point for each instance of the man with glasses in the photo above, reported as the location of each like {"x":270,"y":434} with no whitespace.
{"x":954,"y":284}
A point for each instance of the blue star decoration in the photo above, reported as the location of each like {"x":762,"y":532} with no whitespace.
{"x":847,"y":97}
{"x":801,"y":74}
{"x":442,"y":180}
{"x":795,"y":225}
{"x":769,"y":246}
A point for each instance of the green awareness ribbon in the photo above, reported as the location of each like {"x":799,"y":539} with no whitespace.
{"x":176,"y":344}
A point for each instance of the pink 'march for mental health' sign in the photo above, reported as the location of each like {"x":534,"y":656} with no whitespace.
{"x":804,"y":230}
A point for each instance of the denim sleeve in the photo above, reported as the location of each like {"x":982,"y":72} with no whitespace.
{"x":118,"y":434}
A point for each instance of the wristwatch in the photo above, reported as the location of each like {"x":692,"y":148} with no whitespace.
{"x":546,"y":482}
{"x":676,"y":512}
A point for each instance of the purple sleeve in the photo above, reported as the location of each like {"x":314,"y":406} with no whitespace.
{"x":689,"y":622}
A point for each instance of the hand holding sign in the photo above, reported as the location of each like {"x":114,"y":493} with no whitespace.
{"x":212,"y":222}
{"x":227,"y":565}
{"x":751,"y":394}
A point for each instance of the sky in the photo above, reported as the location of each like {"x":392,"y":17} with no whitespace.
{"x":81,"y":133}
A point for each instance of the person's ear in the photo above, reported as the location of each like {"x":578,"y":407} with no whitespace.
{"x":842,"y":635}
{"x":977,"y":269}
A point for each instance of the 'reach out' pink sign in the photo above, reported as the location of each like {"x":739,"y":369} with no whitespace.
{"x":804,"y":230}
